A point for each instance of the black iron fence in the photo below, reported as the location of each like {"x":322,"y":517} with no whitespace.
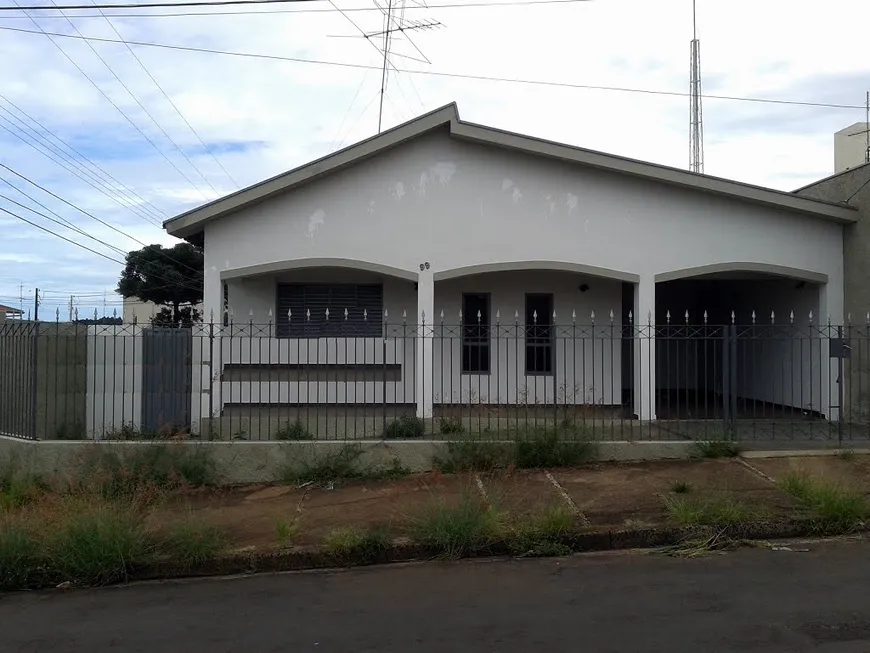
{"x":607,"y":381}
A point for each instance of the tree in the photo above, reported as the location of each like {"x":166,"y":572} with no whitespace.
{"x":168,"y":277}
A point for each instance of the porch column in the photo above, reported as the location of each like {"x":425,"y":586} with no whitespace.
{"x":645,"y":348}
{"x":206,"y":390}
{"x":425,"y":337}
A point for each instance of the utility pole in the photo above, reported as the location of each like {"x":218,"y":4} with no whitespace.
{"x":867,"y":130}
{"x":71,"y":307}
{"x":21,"y":297}
{"x":387,"y":33}
{"x":36,"y":305}
{"x":696,"y":114}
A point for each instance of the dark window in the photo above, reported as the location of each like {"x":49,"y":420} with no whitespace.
{"x":539,"y":334}
{"x":475,"y":333}
{"x":302,"y":310}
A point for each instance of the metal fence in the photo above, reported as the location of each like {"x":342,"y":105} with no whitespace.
{"x":788,"y":382}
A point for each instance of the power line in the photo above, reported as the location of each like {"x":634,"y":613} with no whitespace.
{"x":205,"y":3}
{"x":105,"y":188}
{"x":433,"y":73}
{"x":105,"y":95}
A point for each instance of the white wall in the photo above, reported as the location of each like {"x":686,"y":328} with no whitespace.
{"x":455,"y":204}
{"x":850,"y":147}
{"x":114,"y":379}
{"x":587,"y":358}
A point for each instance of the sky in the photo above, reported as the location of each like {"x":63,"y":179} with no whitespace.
{"x":124,"y":137}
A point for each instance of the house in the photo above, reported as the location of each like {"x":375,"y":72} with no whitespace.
{"x":10,"y":313}
{"x":137,"y":311}
{"x":443,"y":264}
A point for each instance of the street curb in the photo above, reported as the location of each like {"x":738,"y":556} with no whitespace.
{"x":310,"y":558}
{"x":801,"y":453}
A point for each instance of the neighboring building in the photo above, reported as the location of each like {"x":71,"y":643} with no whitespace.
{"x":850,"y":147}
{"x":139,"y":312}
{"x":462,"y":264}
{"x":9,"y":313}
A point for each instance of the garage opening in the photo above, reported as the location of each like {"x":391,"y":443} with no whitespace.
{"x":740,"y":345}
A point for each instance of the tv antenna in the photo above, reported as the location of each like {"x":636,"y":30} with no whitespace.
{"x":696,"y":113}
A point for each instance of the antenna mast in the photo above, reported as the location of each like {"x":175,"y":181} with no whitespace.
{"x":696,"y":114}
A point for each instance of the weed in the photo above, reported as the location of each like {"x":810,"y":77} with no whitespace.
{"x":694,"y":547}
{"x":323,"y":469}
{"x":848,"y":455}
{"x":474,"y":456}
{"x":16,"y":488}
{"x":285,"y":531}
{"x":190,"y":544}
{"x":833,"y":508}
{"x":540,"y":447}
{"x":294,"y":431}
{"x":714,"y":512}
{"x":394,"y":470}
{"x":353,"y":544}
{"x":543,"y":534}
{"x":404,"y":428}
{"x":96,"y":543}
{"x":455,"y":530}
{"x":717,"y":449}
{"x":19,"y":557}
{"x":680,"y":487}
{"x":450,"y":426}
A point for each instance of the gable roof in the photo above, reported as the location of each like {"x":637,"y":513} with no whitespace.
{"x":11,"y":310}
{"x":447,"y":117}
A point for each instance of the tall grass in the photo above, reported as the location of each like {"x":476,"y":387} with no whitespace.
{"x":543,"y":533}
{"x":685,"y":511}
{"x":354,"y":544}
{"x":833,"y":507}
{"x":455,"y":530}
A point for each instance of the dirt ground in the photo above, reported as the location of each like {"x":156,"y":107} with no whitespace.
{"x":258,"y":518}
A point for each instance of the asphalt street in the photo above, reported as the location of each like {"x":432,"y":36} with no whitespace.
{"x":749,"y":600}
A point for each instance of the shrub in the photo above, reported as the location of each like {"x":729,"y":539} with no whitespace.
{"x":834,"y":508}
{"x":404,"y":428}
{"x":680,"y":487}
{"x":353,"y":544}
{"x":450,"y":426}
{"x":541,"y":447}
{"x":294,"y":431}
{"x":474,"y":456}
{"x":454,"y":531}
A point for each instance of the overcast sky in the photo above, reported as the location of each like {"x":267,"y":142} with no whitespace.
{"x":259,"y":117}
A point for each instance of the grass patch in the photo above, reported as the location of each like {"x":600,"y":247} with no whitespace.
{"x":450,"y":426}
{"x":849,"y":455}
{"x":456,"y":530}
{"x":405,"y":428}
{"x":353,"y":544}
{"x":543,"y":534}
{"x":293,"y":431}
{"x":724,"y":448}
{"x":474,"y":456}
{"x":285,"y":532}
{"x":713,"y":512}
{"x":191,"y":544}
{"x":833,"y":508}
{"x":339,"y":465}
{"x":20,"y":563}
{"x":680,"y":487}
{"x":153,"y":468}
{"x":544,"y":448}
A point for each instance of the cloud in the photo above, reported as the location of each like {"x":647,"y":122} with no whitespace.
{"x":260,"y":117}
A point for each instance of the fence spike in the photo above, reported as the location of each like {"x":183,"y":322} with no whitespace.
{"x":535,"y":316}
{"x":592,"y":315}
{"x":630,"y":317}
{"x":135,"y":318}
{"x":422,"y":317}
{"x":753,"y":317}
{"x":365,"y":315}
{"x":733,"y":317}
{"x":77,"y":314}
{"x":289,"y":314}
{"x":687,"y":316}
{"x":772,"y":317}
{"x":57,"y":314}
{"x":516,"y":317}
{"x":811,"y":317}
{"x":405,"y":315}
{"x":270,"y":315}
{"x":554,"y":316}
{"x":386,"y":314}
{"x":442,"y":316}
{"x":791,"y":317}
{"x":705,"y":317}
{"x":849,"y":319}
{"x":829,"y":320}
{"x":668,"y":317}
{"x":460,"y":316}
{"x":28,"y":314}
{"x":307,"y":314}
{"x":251,"y":313}
{"x":573,"y":316}
{"x":479,"y":316}
{"x":611,"y":316}
{"x":497,"y":316}
{"x":868,"y":317}
{"x":649,"y":318}
{"x":211,"y":315}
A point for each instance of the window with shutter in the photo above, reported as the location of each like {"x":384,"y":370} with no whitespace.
{"x":302,"y":310}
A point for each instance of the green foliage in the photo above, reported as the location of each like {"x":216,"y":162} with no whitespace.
{"x":340,"y":465}
{"x":170,"y":277}
{"x":98,"y":543}
{"x":191,"y":544}
{"x":680,"y":487}
{"x":405,"y":428}
{"x":450,"y":426}
{"x":714,"y":512}
{"x":474,"y":456}
{"x":150,"y":467}
{"x":285,"y":531}
{"x":544,"y":533}
{"x":541,"y":447}
{"x":19,"y":557}
{"x":294,"y":431}
{"x":724,"y":448}
{"x":353,"y":544}
{"x":455,"y":530}
{"x":835,"y":509}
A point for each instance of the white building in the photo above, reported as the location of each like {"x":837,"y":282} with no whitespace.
{"x":850,"y":147}
{"x":566,"y":265}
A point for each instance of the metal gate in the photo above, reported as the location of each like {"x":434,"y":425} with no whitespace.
{"x":166,"y":379}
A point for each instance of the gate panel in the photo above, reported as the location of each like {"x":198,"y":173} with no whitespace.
{"x":166,"y":379}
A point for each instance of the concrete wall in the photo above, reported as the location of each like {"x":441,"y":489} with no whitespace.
{"x":854,"y":186}
{"x":850,"y":147}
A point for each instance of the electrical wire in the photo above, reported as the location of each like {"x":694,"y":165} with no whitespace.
{"x":433,"y":73}
{"x":103,"y":188}
{"x":205,"y":3}
{"x":110,"y":101}
{"x":860,"y":188}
